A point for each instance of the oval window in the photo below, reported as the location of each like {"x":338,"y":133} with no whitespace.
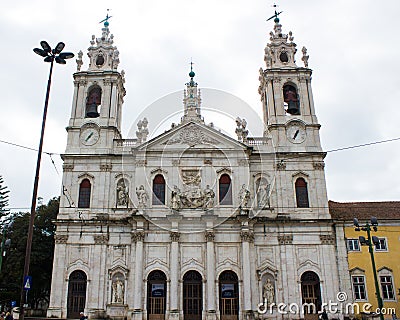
{"x":284,"y":57}
{"x":99,"y":60}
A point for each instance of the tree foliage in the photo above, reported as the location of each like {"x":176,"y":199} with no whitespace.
{"x":3,"y":198}
{"x":41,"y":262}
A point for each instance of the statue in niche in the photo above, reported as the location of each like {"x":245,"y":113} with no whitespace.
{"x":142,"y":196}
{"x":209,"y":196}
{"x":118,"y":291}
{"x":244,"y":196}
{"x":268,"y":292}
{"x":263,"y":194}
{"x":122,"y":194}
{"x":176,"y":202}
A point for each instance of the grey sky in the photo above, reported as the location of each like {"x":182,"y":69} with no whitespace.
{"x":353,"y":52}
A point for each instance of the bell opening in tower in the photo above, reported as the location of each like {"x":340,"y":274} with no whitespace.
{"x":93,"y":102}
{"x":291,"y":99}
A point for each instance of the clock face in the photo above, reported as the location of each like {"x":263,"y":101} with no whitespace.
{"x":296,"y":133}
{"x":89,"y":136}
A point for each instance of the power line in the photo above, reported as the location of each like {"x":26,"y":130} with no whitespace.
{"x":25,"y":147}
{"x":328,"y":151}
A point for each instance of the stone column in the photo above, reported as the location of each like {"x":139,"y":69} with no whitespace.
{"x":138,"y":237}
{"x":58,"y":282}
{"x":247,"y":237}
{"x":174,"y":276}
{"x":209,"y":235}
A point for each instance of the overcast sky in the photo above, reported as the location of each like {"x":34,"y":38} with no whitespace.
{"x":354,"y":53}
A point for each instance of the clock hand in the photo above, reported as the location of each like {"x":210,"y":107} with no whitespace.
{"x":88,"y":137}
{"x":295,"y":135}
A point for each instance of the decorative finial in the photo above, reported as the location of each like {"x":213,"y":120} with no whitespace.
{"x":106,"y":23}
{"x":276,"y":20}
{"x":191,"y":73}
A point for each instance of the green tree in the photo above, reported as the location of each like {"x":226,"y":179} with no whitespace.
{"x":3,"y":198}
{"x":41,"y":263}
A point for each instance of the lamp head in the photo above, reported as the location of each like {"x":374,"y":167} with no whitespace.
{"x":46,"y":47}
{"x":66,"y":55}
{"x":59,"y":47}
{"x":60,"y":60}
{"x":362,"y":240}
{"x":375,"y":240}
{"x":374,"y":221}
{"x":40,"y":52}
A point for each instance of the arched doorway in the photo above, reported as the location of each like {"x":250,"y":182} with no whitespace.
{"x":192,"y":295}
{"x":228,"y":295}
{"x":156,"y":295}
{"x":76,"y":293}
{"x":311,"y":295}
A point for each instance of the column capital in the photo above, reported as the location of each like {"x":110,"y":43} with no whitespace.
{"x":247,"y":235}
{"x":174,"y":236}
{"x":138,"y":236}
{"x":209,"y":236}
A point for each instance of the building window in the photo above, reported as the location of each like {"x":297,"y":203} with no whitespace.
{"x":84,"y":194}
{"x":381,"y":245}
{"x":359,"y":287}
{"x":387,"y":287}
{"x":158,"y":190}
{"x":301,"y":193}
{"x":225,"y":190}
{"x":353,"y":245}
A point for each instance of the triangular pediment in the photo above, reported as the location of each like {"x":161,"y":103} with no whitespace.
{"x":194,"y":135}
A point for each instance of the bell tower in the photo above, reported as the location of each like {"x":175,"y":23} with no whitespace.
{"x":98,"y":97}
{"x":286,"y":95}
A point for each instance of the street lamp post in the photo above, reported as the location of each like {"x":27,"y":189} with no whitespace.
{"x":370,"y":241}
{"x":49,"y":56}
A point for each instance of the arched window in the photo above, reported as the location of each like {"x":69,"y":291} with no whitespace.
{"x":92,"y":102}
{"x":301,"y":193}
{"x":311,"y":292}
{"x":84,"y":194}
{"x":192,"y":296}
{"x":291,"y":99}
{"x":158,"y":190}
{"x":156,"y":295}
{"x":76,"y":294}
{"x":225,"y":190}
{"x":228,"y":295}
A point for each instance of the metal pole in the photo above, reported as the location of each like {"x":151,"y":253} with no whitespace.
{"x":377,"y":291}
{"x":34,"y":197}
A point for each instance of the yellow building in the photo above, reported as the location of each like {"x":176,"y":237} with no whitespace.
{"x":386,"y":250}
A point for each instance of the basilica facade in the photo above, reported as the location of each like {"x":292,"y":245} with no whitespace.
{"x":194,"y":224}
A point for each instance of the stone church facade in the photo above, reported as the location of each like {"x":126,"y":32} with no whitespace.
{"x":193,"y":224}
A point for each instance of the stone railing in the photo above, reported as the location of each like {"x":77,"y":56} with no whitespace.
{"x":256,"y":141}
{"x":125,"y":142}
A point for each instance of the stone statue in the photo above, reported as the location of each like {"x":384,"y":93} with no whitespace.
{"x":142,"y":196}
{"x":209,"y":196}
{"x":244,"y":196}
{"x":176,"y":203}
{"x":122,"y":194}
{"x":118,"y":291}
{"x":263,"y":194}
{"x":268,"y":292}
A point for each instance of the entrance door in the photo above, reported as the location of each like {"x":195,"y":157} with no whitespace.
{"x":192,"y":295}
{"x":228,"y":295}
{"x":311,"y":295}
{"x":76,"y":294}
{"x":156,"y":294}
